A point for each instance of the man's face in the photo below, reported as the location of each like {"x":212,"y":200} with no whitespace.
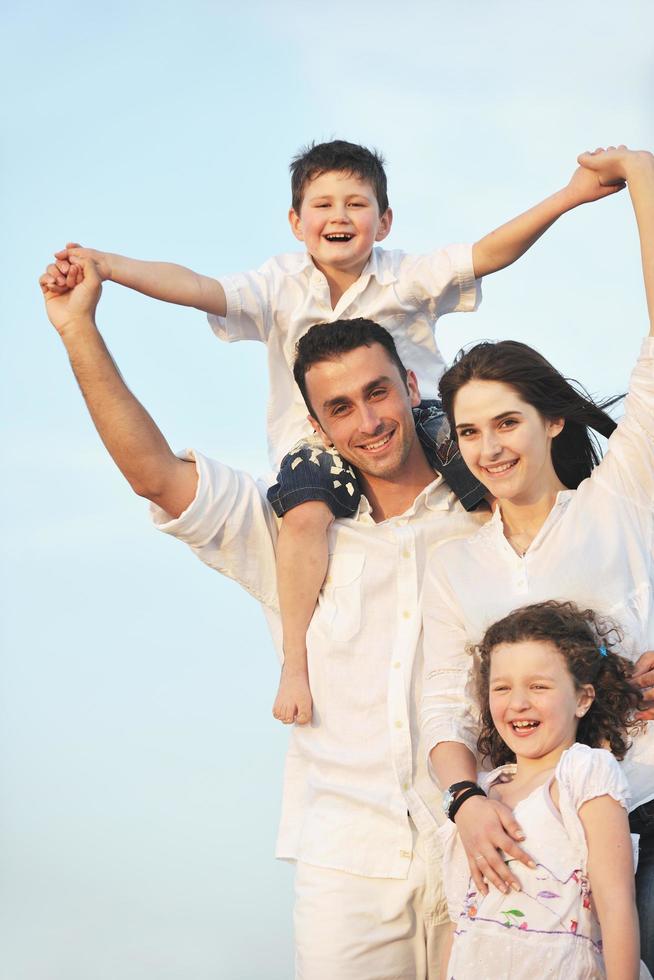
{"x":363,"y":407}
{"x":339,"y":221}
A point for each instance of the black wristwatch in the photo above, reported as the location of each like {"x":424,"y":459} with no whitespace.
{"x":452,"y":802}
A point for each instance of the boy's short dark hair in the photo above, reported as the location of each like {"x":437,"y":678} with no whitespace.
{"x":327,"y":341}
{"x":315,"y":159}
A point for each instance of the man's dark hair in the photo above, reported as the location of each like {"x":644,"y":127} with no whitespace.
{"x":327,"y":341}
{"x":350,"y":158}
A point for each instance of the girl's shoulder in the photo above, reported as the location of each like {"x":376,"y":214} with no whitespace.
{"x":490,"y":781}
{"x":584,"y":773}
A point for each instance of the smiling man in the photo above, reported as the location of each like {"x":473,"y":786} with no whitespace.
{"x":359,"y":810}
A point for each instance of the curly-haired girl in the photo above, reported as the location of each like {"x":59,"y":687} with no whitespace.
{"x":554,"y":697}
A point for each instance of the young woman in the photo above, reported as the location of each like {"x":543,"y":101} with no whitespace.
{"x":562,"y":528}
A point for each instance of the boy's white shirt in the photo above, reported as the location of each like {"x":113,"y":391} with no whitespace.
{"x":406,"y":294}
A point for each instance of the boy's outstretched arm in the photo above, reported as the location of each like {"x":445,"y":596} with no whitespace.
{"x":130,"y":435}
{"x":508,"y":242}
{"x":161,"y":280}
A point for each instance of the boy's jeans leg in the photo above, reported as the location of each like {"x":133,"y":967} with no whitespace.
{"x":642,"y":822}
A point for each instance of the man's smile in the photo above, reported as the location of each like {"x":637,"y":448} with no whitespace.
{"x":378,"y":444}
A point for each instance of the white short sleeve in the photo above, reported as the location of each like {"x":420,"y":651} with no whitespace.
{"x":584,"y":774}
{"x":442,"y":281}
{"x":248,"y":307}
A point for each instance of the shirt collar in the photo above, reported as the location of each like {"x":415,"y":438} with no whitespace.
{"x":435,"y":496}
{"x":376,"y":266}
{"x":379,"y":267}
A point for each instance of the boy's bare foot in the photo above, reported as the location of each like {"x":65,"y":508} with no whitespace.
{"x":293,"y":702}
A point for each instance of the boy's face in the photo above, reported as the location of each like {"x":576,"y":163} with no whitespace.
{"x":339,"y":222}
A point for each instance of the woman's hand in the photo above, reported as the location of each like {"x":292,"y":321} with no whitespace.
{"x":613,"y":165}
{"x":643,"y":677}
{"x":488,"y":827}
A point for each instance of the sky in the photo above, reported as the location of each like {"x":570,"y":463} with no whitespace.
{"x":140,"y":766}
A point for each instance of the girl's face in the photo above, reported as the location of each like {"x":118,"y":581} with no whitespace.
{"x":534,"y":703}
{"x":505,"y":442}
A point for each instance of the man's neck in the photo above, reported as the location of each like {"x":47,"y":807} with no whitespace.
{"x":391,"y":497}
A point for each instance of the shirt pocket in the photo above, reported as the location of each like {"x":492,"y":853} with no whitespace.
{"x":339,"y":603}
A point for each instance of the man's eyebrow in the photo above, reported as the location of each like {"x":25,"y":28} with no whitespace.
{"x":496,"y":418}
{"x":365,"y":391}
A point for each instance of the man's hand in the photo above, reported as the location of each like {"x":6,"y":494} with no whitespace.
{"x":66,"y":271}
{"x":487,"y":827}
{"x":643,"y":677}
{"x":586,"y":185}
{"x":79,"y":299}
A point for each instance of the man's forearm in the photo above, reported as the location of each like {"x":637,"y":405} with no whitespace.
{"x":168,"y":282}
{"x":130,"y":435}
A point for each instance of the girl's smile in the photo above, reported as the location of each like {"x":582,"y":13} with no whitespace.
{"x":534,"y":703}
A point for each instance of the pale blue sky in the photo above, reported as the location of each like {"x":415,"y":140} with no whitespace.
{"x":139,"y":764}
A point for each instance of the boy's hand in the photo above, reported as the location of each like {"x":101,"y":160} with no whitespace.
{"x":612,"y":165}
{"x":586,"y":185}
{"x":65,"y":272}
{"x":77,"y":302}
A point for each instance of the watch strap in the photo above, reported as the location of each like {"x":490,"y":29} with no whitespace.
{"x":473,"y":790}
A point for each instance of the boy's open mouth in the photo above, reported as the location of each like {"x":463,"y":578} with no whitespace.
{"x":340,"y":237}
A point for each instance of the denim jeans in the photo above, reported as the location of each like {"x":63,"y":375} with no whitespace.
{"x":641,"y":821}
{"x":312,"y":472}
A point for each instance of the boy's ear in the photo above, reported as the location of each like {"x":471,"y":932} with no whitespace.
{"x":295,"y":222}
{"x":385,"y":223}
{"x":317,"y":428}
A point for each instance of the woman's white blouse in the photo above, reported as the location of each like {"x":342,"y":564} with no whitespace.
{"x":595,"y":548}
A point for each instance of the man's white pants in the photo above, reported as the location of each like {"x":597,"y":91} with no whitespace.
{"x":348,"y":927}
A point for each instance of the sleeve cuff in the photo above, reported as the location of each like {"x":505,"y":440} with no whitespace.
{"x":226,"y":327}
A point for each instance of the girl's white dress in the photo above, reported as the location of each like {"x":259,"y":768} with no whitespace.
{"x":549,"y":929}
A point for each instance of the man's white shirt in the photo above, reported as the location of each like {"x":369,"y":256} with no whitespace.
{"x":354,"y":775}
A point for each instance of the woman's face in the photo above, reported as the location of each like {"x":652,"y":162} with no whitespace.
{"x":505,"y":442}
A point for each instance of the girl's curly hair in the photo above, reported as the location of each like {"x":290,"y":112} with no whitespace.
{"x":584,"y":640}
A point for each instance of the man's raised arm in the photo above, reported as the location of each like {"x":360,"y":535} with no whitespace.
{"x":133,"y":440}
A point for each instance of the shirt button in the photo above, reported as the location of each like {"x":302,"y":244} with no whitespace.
{"x":406,"y":553}
{"x":398,"y":724}
{"x":405,"y":854}
{"x":405,"y":787}
{"x":406,"y":614}
{"x":397,"y":665}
